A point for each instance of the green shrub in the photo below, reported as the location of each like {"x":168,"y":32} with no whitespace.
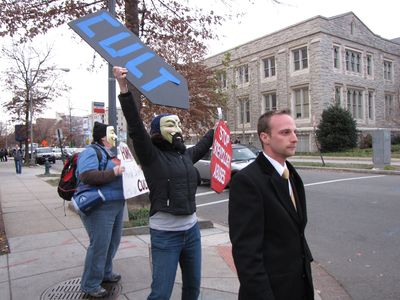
{"x":337,"y":130}
{"x":138,"y":217}
{"x":395,"y":139}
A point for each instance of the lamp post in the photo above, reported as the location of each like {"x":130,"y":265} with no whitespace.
{"x":31,"y":159}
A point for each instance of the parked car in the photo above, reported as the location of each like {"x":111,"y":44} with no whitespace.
{"x":241,"y":157}
{"x":57,"y":153}
{"x":255,"y":149}
{"x":44,"y":153}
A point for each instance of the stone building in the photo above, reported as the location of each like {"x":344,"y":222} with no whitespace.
{"x":308,"y":67}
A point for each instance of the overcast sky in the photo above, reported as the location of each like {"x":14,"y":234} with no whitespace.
{"x":262,"y":18}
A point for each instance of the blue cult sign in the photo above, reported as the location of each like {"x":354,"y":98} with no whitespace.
{"x":148,"y":72}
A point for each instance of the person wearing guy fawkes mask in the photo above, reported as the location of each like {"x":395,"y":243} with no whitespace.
{"x":103,"y":223}
{"x":172,"y":181}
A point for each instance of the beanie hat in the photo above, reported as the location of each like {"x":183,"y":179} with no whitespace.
{"x":155,"y":123}
{"x":99,"y":131}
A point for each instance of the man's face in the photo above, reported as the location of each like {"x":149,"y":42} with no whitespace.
{"x":111,"y":136}
{"x":169,"y":126}
{"x":281,"y":142}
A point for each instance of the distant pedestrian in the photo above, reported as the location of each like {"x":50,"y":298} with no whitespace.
{"x":17,"y":154}
{"x":5,"y":154}
{"x":237,"y":140}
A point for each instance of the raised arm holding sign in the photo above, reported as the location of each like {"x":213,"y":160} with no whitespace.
{"x":172,"y":181}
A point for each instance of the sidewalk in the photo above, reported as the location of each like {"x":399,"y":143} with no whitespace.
{"x":47,"y":250}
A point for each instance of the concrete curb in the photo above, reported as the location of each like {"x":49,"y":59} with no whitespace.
{"x":338,"y":157}
{"x":140,"y":230}
{"x":371,"y":171}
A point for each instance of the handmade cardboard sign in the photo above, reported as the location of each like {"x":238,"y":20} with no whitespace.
{"x":148,"y":72}
{"x":221,"y":158}
{"x":133,"y":180}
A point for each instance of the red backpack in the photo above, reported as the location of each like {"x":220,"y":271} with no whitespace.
{"x":68,"y":181}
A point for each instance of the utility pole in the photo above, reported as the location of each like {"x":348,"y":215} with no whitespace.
{"x":112,"y":108}
{"x":31,"y":160}
{"x":70,"y":126}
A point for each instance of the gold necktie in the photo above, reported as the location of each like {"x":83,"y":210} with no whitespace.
{"x":286,"y":176}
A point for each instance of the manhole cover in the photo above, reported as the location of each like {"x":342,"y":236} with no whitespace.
{"x":70,"y":289}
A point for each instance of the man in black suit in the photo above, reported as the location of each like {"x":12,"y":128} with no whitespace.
{"x":267,"y":217}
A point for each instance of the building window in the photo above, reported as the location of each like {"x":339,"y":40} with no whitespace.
{"x":371,"y":105}
{"x":352,"y":26}
{"x":269,"y":101}
{"x":221,"y":78}
{"x":353,"y":61}
{"x":354,"y":103}
{"x":369,"y":64}
{"x":303,"y":143}
{"x":336,"y":57}
{"x":242,"y":74}
{"x":269,"y":66}
{"x":387,"y":70}
{"x":300,"y":59}
{"x":302,"y":102}
{"x":338,"y":95}
{"x":244,"y":111}
{"x":389,"y":107}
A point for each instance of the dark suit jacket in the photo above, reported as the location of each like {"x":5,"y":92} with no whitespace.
{"x":270,"y":251}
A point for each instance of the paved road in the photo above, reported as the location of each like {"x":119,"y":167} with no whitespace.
{"x":353,"y":229}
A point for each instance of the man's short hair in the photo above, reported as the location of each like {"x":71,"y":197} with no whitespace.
{"x":263,"y":124}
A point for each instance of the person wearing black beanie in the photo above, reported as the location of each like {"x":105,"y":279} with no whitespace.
{"x":172,"y":180}
{"x":99,"y":131}
{"x":103,"y":223}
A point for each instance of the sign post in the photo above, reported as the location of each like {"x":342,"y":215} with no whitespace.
{"x":148,"y":72}
{"x":60,"y":137}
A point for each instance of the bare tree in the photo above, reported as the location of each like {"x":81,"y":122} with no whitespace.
{"x":174,"y":29}
{"x":33,"y":82}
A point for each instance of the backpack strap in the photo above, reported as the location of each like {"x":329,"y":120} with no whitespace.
{"x":98,"y":150}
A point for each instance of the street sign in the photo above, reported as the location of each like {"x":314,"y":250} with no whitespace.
{"x":20,"y":133}
{"x":98,"y":107}
{"x":59,"y":134}
{"x":148,"y":72}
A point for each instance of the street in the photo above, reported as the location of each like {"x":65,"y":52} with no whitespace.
{"x":353,"y":228}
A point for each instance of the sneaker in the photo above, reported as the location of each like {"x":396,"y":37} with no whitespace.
{"x":115,"y":277}
{"x":99,"y":293}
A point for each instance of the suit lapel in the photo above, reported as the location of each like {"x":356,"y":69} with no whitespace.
{"x":282,"y":190}
{"x":280,"y":186}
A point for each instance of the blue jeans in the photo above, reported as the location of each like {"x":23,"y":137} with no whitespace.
{"x":104,"y":227}
{"x":17,"y":166}
{"x":167,"y":249}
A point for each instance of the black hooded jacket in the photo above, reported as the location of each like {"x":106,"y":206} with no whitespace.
{"x":171,"y":177}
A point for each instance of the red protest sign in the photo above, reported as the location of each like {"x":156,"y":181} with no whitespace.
{"x":221,"y":158}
